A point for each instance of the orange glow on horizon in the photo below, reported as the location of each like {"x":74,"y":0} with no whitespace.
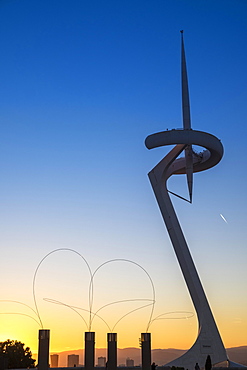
{"x":65,"y":336}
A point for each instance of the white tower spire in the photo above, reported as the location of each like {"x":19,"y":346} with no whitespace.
{"x":186,"y":118}
{"x":208,"y":341}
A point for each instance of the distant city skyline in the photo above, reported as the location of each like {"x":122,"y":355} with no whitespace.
{"x":159,"y":356}
{"x":82,"y":85}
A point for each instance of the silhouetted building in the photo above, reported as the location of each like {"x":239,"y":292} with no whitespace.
{"x":101,"y":361}
{"x":54,"y":360}
{"x":129,"y":362}
{"x":73,"y":360}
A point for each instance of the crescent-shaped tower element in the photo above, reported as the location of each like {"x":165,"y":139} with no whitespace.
{"x":208,"y":341}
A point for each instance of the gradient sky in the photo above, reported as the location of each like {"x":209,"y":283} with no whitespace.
{"x":82,"y":83}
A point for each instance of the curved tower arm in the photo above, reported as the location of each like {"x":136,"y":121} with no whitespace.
{"x":208,"y":340}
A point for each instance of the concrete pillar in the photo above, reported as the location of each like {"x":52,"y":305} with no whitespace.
{"x":111,"y":351}
{"x":43,"y":353}
{"x":146,"y":350}
{"x":89,"y":350}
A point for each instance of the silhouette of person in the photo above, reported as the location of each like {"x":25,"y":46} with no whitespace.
{"x":208,"y":364}
{"x":153,"y":366}
{"x":197,"y":367}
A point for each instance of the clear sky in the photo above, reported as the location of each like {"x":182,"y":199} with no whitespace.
{"x":82,"y":83}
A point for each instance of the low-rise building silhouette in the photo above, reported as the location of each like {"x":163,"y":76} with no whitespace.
{"x":129,"y":362}
{"x":101,"y":361}
{"x":73,"y":360}
{"x":54,"y":360}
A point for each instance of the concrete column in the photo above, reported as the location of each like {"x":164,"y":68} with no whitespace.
{"x":146,"y":350}
{"x":111,"y":351}
{"x":43,"y":353}
{"x":89,"y":350}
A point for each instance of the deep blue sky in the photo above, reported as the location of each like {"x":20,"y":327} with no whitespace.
{"x":82,"y":83}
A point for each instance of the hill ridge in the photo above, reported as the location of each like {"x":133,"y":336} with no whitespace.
{"x":160,"y":356}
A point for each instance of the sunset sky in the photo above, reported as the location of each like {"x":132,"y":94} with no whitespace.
{"x":82,"y":84}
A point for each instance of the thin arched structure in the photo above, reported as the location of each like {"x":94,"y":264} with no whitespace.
{"x":75,"y":309}
{"x":20,"y":314}
{"x":129,"y":312}
{"x":20,"y":303}
{"x":161,"y":316}
{"x":149,"y":277}
{"x":36,"y":271}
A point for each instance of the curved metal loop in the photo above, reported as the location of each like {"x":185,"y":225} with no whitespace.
{"x":37,"y":268}
{"x":152,"y":285}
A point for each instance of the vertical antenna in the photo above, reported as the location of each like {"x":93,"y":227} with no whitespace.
{"x":185,"y":89}
{"x":186,"y":119}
